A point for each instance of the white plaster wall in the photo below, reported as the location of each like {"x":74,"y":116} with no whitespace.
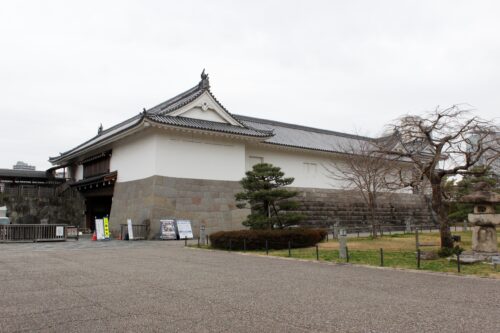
{"x":308,"y":169}
{"x":198,"y":113}
{"x":135,"y":157}
{"x":199,"y":157}
{"x":164,"y":153}
{"x":79,"y":172}
{"x":214,"y":113}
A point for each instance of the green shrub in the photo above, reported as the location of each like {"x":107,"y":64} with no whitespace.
{"x":449,"y":251}
{"x":276,"y":239}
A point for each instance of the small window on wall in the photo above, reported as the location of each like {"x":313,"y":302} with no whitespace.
{"x":252,"y":160}
{"x":255,"y":160}
{"x":310,"y":168}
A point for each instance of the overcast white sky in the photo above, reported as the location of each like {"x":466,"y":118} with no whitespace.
{"x":351,"y":66}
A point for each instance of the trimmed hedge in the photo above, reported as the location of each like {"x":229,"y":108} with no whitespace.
{"x":276,"y":239}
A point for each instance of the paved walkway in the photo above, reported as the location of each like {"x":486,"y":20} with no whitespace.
{"x":161,"y":286}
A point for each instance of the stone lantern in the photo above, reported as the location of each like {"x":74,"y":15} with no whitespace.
{"x":484,"y":220}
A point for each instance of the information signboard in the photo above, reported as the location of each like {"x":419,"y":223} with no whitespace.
{"x":184,"y":229}
{"x":71,"y":232}
{"x":59,"y":231}
{"x":106,"y":228}
{"x":167,"y":229}
{"x":99,"y":229}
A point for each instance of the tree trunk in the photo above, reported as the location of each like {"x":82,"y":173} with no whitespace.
{"x":439,"y":209}
{"x":371,"y":206}
{"x":372,"y":217}
{"x":267,"y":209}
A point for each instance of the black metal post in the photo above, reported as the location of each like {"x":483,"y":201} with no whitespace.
{"x":207,"y":240}
{"x":458,"y":262}
{"x":267,"y":248}
{"x":347,"y":254}
{"x":317,"y":252}
{"x":418,"y":258}
{"x":416,"y":238}
{"x":327,"y":237}
{"x":289,"y":249}
{"x":185,"y":241}
{"x":244,"y":244}
{"x":358,"y":233}
{"x":230,"y":245}
{"x":198,"y":241}
{"x":382,"y":257}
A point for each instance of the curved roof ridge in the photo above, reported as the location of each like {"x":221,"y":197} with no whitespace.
{"x":176,"y":99}
{"x":208,"y":125}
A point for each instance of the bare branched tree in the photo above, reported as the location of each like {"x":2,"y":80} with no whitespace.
{"x":440,"y":144}
{"x":362,"y":168}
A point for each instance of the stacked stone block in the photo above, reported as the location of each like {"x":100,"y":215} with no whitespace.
{"x":324,"y":207}
{"x":211,"y":203}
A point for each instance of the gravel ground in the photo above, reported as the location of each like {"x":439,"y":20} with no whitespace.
{"x":161,"y":286}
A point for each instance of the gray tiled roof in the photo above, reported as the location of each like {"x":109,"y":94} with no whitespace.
{"x":178,"y":101}
{"x":10,"y":173}
{"x":297,"y":136}
{"x":104,"y":135}
{"x":274,"y":133}
{"x":209,"y":125}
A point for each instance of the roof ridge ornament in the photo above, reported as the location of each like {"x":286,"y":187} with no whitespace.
{"x":204,"y":83}
{"x":99,"y":130}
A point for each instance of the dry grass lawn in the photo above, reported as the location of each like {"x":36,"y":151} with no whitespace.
{"x":395,"y":242}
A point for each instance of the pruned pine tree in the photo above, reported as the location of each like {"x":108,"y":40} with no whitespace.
{"x":270,"y":202}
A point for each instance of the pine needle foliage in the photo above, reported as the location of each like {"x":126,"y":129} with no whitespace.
{"x":270,"y":202}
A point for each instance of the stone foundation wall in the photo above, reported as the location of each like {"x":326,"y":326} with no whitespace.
{"x":204,"y":202}
{"x":324,"y":207}
{"x":66,"y":208}
{"x":211,"y":203}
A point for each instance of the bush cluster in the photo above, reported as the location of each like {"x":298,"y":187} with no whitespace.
{"x":446,"y":251}
{"x":276,"y":239}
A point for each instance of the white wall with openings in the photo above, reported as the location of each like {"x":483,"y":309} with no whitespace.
{"x":306,"y":167}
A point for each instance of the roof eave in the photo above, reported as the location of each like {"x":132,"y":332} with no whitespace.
{"x":73,"y":154}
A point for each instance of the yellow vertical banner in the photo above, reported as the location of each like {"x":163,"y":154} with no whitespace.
{"x":106,"y":228}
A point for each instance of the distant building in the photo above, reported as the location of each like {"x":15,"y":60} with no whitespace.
{"x":23,"y":166}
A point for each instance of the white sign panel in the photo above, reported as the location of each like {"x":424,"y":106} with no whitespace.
{"x":184,"y":229}
{"x":59,"y":231}
{"x":3,"y":211}
{"x":99,"y":229}
{"x":167,"y":229}
{"x":130,"y":229}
